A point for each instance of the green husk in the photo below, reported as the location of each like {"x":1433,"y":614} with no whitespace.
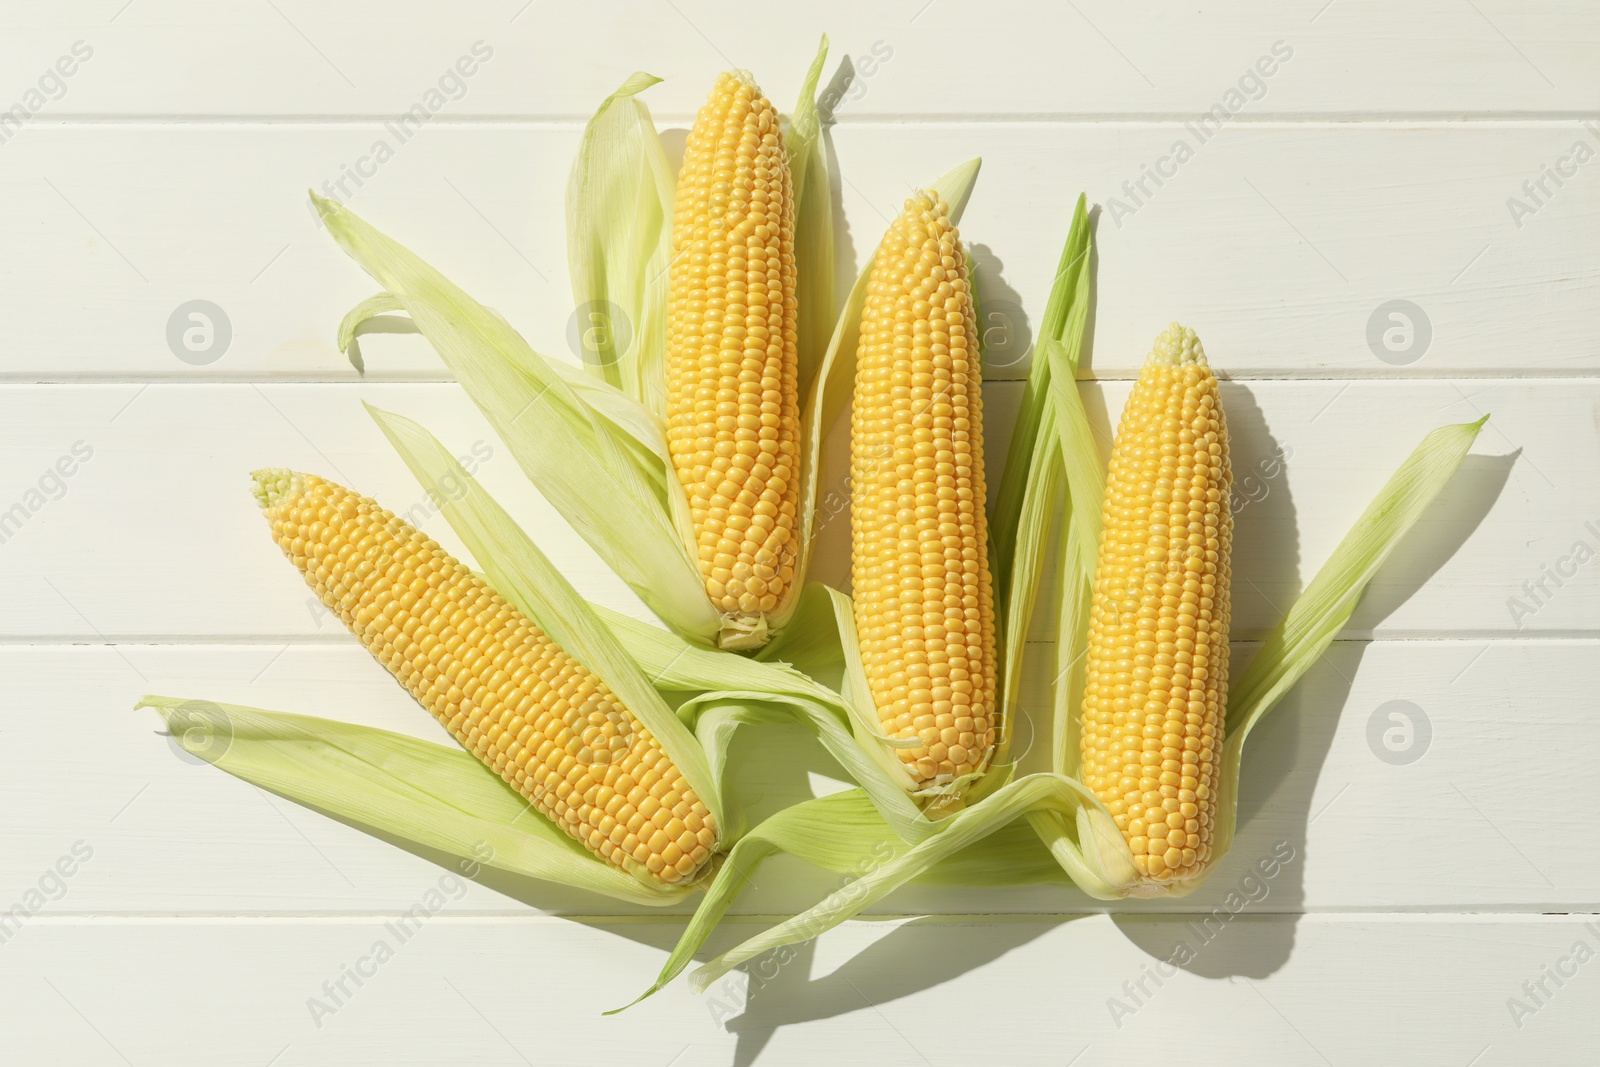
{"x":1328,"y":602}
{"x":813,"y":226}
{"x":1034,"y":484}
{"x":593,"y":471}
{"x":619,"y":243}
{"x":1036,"y":792}
{"x":435,"y":796}
{"x":356,"y":317}
{"x":1069,"y":298}
{"x":839,"y":833}
{"x":736,"y":691}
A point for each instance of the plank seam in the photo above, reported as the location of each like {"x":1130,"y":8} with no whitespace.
{"x":289,"y":121}
{"x":1348,"y":915}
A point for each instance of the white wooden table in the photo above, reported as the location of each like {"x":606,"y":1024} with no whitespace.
{"x":1442,"y":900}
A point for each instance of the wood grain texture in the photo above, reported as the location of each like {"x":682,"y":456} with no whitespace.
{"x":300,"y":58}
{"x":1278,"y":242}
{"x":1263,"y":990}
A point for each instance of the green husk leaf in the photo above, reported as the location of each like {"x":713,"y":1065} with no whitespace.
{"x":434,"y":796}
{"x":624,"y":414}
{"x":734,"y":690}
{"x":1078,"y":549}
{"x":1012,"y":855}
{"x":855,"y":690}
{"x":1042,"y":498}
{"x":583,"y":463}
{"x":620,"y":201}
{"x":356,"y":317}
{"x":844,"y":833}
{"x":1328,"y":602}
{"x":1036,"y":794}
{"x":955,"y":186}
{"x":1024,"y":516}
{"x":1069,"y":296}
{"x":522,"y":574}
{"x":897,"y":809}
{"x":673,"y":662}
{"x":813,"y":228}
{"x":830,"y":392}
{"x":841,"y":833}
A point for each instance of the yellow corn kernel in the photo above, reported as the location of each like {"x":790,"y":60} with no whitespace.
{"x":733,"y":409}
{"x":924,"y":605}
{"x":508,"y":693}
{"x":1156,"y":692}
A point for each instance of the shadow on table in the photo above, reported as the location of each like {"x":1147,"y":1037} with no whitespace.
{"x":893,"y":967}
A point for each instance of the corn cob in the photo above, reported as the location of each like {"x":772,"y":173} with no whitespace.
{"x":919,"y":563}
{"x":733,"y":413}
{"x":1156,"y":689}
{"x":503,"y":688}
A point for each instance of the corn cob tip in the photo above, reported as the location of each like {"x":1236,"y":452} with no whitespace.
{"x":1176,"y":346}
{"x":273,"y":484}
{"x":928,"y":204}
{"x":741,"y":632}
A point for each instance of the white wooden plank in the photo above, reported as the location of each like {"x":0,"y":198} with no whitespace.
{"x":1252,"y":241}
{"x":295,"y":57}
{"x":156,"y":534}
{"x":1263,"y":990}
{"x":1435,"y":814}
{"x":176,"y":458}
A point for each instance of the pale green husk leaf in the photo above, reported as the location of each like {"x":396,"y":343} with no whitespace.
{"x":1069,"y":292}
{"x":1328,"y":602}
{"x":841,"y":833}
{"x":356,"y":317}
{"x":1061,"y":796}
{"x":608,"y":402}
{"x":435,"y":796}
{"x":1032,"y":487}
{"x":734,"y":691}
{"x":620,"y":202}
{"x":600,"y":475}
{"x":813,"y":226}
